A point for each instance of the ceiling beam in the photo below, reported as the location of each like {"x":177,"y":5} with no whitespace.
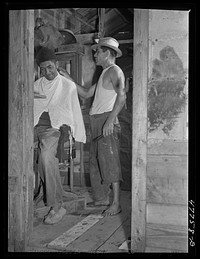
{"x":79,"y":18}
{"x":125,"y":41}
{"x":126,"y":13}
{"x":101,"y":22}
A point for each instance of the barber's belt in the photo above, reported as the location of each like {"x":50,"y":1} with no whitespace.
{"x":98,"y":138}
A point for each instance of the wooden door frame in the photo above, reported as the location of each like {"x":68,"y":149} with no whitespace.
{"x":20,"y":129}
{"x":139,"y":129}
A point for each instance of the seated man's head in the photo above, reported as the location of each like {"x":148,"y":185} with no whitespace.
{"x":46,"y":60}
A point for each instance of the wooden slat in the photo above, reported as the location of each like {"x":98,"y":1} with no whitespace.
{"x":161,"y":250}
{"x":167,"y":179}
{"x":167,"y":147}
{"x":125,"y":41}
{"x":76,"y":231}
{"x":169,"y":238}
{"x":74,"y":47}
{"x":120,"y":235}
{"x":95,"y":237}
{"x":167,"y":166}
{"x":139,"y":129}
{"x":167,"y":190}
{"x":159,"y":229}
{"x":43,"y":234}
{"x":87,"y":38}
{"x":167,"y":214}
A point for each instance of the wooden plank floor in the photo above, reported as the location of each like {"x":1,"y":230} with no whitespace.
{"x":109,"y":233}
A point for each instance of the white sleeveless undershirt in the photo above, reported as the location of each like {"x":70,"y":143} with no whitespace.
{"x":104,"y":98}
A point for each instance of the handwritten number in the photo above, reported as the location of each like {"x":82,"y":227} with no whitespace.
{"x":192,"y":216}
{"x":192,"y":209}
{"x":191,"y":202}
{"x":192,"y":243}
{"x":192,"y":231}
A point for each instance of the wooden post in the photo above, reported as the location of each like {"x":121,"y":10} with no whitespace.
{"x":139,"y":126}
{"x":20,"y":130}
{"x":101,"y":22}
{"x":61,"y":19}
{"x":79,"y":64}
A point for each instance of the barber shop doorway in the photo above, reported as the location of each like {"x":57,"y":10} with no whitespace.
{"x":21,"y":177}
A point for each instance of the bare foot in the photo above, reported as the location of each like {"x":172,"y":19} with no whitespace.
{"x":103,"y":203}
{"x":99,"y":203}
{"x":114,"y":209}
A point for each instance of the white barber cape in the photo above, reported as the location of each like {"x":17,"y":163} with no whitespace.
{"x":61,"y":103}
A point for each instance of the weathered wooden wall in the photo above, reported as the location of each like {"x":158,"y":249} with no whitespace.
{"x":167,"y":175}
{"x":170,"y":28}
{"x":167,"y":160}
{"x":20,"y":129}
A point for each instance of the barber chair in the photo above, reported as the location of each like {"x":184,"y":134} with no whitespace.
{"x":66,"y":152}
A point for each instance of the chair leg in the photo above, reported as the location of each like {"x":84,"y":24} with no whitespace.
{"x":38,"y":186}
{"x":81,"y":164}
{"x":71,"y":175}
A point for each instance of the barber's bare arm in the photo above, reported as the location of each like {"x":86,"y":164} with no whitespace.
{"x":83,"y":92}
{"x":118,"y":83}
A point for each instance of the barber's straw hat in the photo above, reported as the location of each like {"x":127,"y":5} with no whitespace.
{"x":108,"y":42}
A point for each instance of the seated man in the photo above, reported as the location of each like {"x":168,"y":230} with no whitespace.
{"x":60,"y":106}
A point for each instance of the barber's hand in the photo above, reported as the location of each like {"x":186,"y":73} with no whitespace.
{"x":64,"y":73}
{"x":108,"y":128}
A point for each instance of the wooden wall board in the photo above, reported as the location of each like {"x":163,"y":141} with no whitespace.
{"x":166,"y":236}
{"x":158,"y":229}
{"x":161,"y":250}
{"x":167,"y":179}
{"x":167,"y":147}
{"x":167,"y":190}
{"x":167,"y":166}
{"x":167,"y":214}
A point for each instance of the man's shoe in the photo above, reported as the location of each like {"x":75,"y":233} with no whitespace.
{"x":54,"y":217}
{"x":38,"y":199}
